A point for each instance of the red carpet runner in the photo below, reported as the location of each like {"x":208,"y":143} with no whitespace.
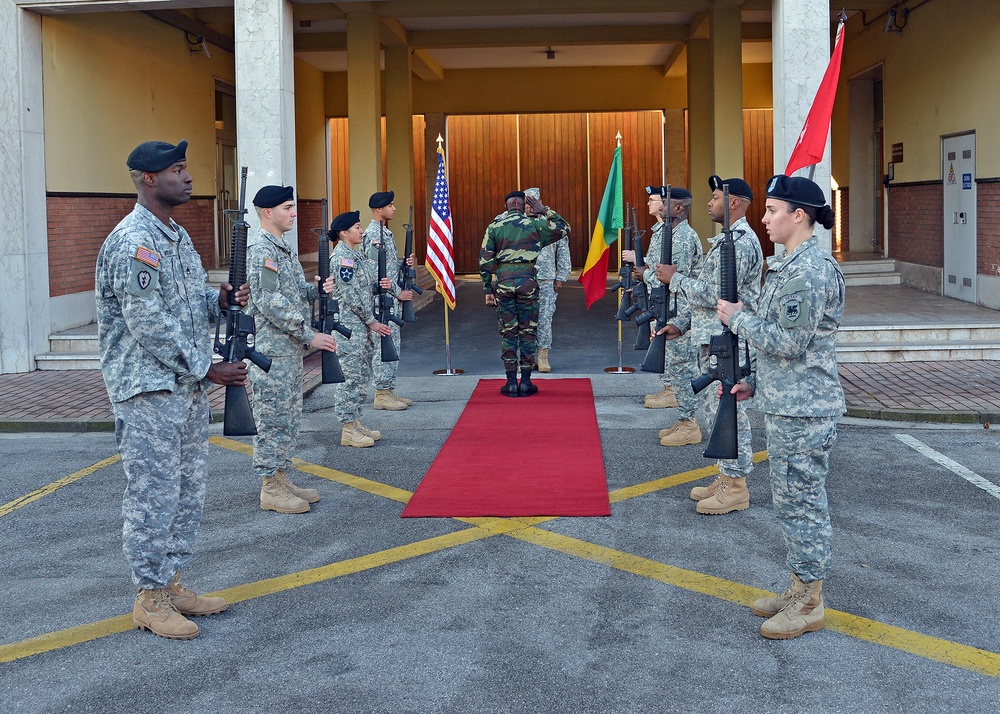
{"x":533,"y":456}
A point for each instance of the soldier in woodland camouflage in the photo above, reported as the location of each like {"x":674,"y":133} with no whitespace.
{"x":510,"y":248}
{"x":279,"y":304}
{"x":153,"y":311}
{"x":797,"y":387}
{"x":355,"y":277}
{"x":728,"y":492}
{"x":552,"y":269}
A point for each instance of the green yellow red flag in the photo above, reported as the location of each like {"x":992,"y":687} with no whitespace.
{"x":594,"y":277}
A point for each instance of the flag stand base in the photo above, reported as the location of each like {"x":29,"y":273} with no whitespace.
{"x":619,"y":370}
{"x":449,"y":372}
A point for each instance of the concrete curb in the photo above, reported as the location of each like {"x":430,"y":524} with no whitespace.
{"x":918,"y":415}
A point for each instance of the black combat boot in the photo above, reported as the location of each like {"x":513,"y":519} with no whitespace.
{"x":526,"y":388}
{"x":510,"y":389}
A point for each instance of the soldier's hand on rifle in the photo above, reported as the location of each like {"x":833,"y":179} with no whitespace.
{"x":671,"y":331}
{"x":241,"y":296}
{"x":537,"y":207}
{"x":231,"y":374}
{"x":411,"y":260}
{"x":742,"y":390}
{"x":665,"y":272}
{"x":491,"y":300}
{"x":628,"y":256}
{"x":323,"y":341}
{"x":726,"y":310}
{"x":328,"y":284}
{"x":385,"y":284}
{"x":380,"y":328}
{"x":405,"y":295}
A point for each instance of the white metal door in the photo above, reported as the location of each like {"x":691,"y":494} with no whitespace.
{"x":959,"y":169}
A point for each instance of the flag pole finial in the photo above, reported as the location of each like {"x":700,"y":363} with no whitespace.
{"x":440,"y":140}
{"x":618,"y":138}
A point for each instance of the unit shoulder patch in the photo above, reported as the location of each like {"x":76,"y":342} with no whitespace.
{"x":346,"y":270}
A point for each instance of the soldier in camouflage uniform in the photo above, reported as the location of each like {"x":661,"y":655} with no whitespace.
{"x":280,"y":305}
{"x":355,"y":277}
{"x":510,"y":247}
{"x":153,"y":310}
{"x":794,"y":335}
{"x":552,"y":269}
{"x":377,"y":232}
{"x":728,"y":492}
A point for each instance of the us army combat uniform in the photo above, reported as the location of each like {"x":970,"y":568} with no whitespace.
{"x":681,"y":359}
{"x":384,"y":372}
{"x":355,"y":277}
{"x":553,"y":264}
{"x":794,"y":333}
{"x":702,"y":294}
{"x":279,"y":298}
{"x":510,"y":248}
{"x":153,"y":311}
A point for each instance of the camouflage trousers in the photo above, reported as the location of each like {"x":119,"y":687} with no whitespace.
{"x":385,"y":372}
{"x":798,"y":450}
{"x":163,"y":441}
{"x":277,"y":412}
{"x":547,"y":297}
{"x":681,"y":367}
{"x":742,"y":466}
{"x":356,"y":354}
{"x":517,"y":309}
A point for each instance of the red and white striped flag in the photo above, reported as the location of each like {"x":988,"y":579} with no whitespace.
{"x":440,"y":250}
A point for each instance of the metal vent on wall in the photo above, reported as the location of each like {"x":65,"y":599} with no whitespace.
{"x":952,"y":279}
{"x":951,"y":156}
{"x":967,"y":154}
{"x":966,"y":282}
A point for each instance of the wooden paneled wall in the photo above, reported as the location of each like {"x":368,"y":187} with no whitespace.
{"x":758,"y":166}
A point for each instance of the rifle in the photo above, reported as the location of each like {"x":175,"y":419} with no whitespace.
{"x":238,"y":420}
{"x":660,"y":303}
{"x":724,"y":354}
{"x":625,"y":280}
{"x":383,"y":303}
{"x":640,"y":291}
{"x":328,"y":318}
{"x":407,"y":278}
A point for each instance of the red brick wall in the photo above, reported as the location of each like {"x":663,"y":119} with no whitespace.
{"x":916,"y":228}
{"x":988,"y":226}
{"x":308,"y":218}
{"x":78,"y":225}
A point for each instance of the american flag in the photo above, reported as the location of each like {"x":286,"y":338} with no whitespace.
{"x":440,"y":251}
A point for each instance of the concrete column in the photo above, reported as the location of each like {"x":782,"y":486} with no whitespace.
{"x":364,"y":106}
{"x":399,"y":133}
{"x":727,"y":89}
{"x":701,"y":133}
{"x":800,"y":45}
{"x":24,"y":272}
{"x":265,"y":96}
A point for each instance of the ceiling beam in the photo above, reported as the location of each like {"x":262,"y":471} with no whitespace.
{"x":425,"y":67}
{"x":675,"y":55}
{"x":544,"y":36}
{"x":187,"y":24}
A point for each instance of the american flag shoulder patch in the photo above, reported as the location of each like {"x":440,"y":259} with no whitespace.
{"x":147,"y":256}
{"x":347,"y":262}
{"x":270,"y":264}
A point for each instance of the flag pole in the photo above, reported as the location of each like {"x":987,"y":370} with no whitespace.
{"x":619,"y":369}
{"x":448,"y":371}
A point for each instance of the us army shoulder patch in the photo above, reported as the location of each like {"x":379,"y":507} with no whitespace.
{"x":346,"y":270}
{"x":143,"y":273}
{"x":269,"y":275}
{"x":793,"y":303}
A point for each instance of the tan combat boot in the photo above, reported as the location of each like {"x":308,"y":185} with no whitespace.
{"x":663,"y":399}
{"x":683,"y":433}
{"x":154,"y":611}
{"x":309,"y":495}
{"x":732,"y":495}
{"x":802,"y":613}
{"x":187,"y":602}
{"x":373,"y":434}
{"x":405,"y":400}
{"x":543,"y":360}
{"x":700,"y":493}
{"x":771,"y":606}
{"x":275,"y":497}
{"x":384,"y":399}
{"x":350,"y":436}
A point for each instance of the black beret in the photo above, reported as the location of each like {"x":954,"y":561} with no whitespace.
{"x":679,"y":194}
{"x":271,"y":196}
{"x":381,"y":199}
{"x":660,"y":191}
{"x":796,"y":189}
{"x":153,"y":156}
{"x":737,"y":186}
{"x":343,"y":222}
{"x":514,"y":194}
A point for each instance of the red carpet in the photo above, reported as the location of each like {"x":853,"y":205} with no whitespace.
{"x":530,"y":456}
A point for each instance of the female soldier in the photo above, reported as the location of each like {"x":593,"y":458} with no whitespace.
{"x":794,"y":335}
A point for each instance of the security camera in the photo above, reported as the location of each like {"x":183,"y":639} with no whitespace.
{"x":204,"y":49}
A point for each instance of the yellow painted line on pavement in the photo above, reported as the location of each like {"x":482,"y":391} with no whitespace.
{"x":56,"y":485}
{"x":641,"y":489}
{"x":915,"y":643}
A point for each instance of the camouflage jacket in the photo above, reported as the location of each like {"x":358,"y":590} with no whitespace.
{"x":279,"y":296}
{"x":702,"y":293}
{"x":369,"y":246}
{"x":686,"y":254}
{"x":153,"y":308}
{"x":512,"y":243}
{"x":354,"y":284}
{"x":794,"y":334}
{"x":554,"y":262}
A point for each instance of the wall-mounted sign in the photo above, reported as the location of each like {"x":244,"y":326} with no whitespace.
{"x":897,"y":153}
